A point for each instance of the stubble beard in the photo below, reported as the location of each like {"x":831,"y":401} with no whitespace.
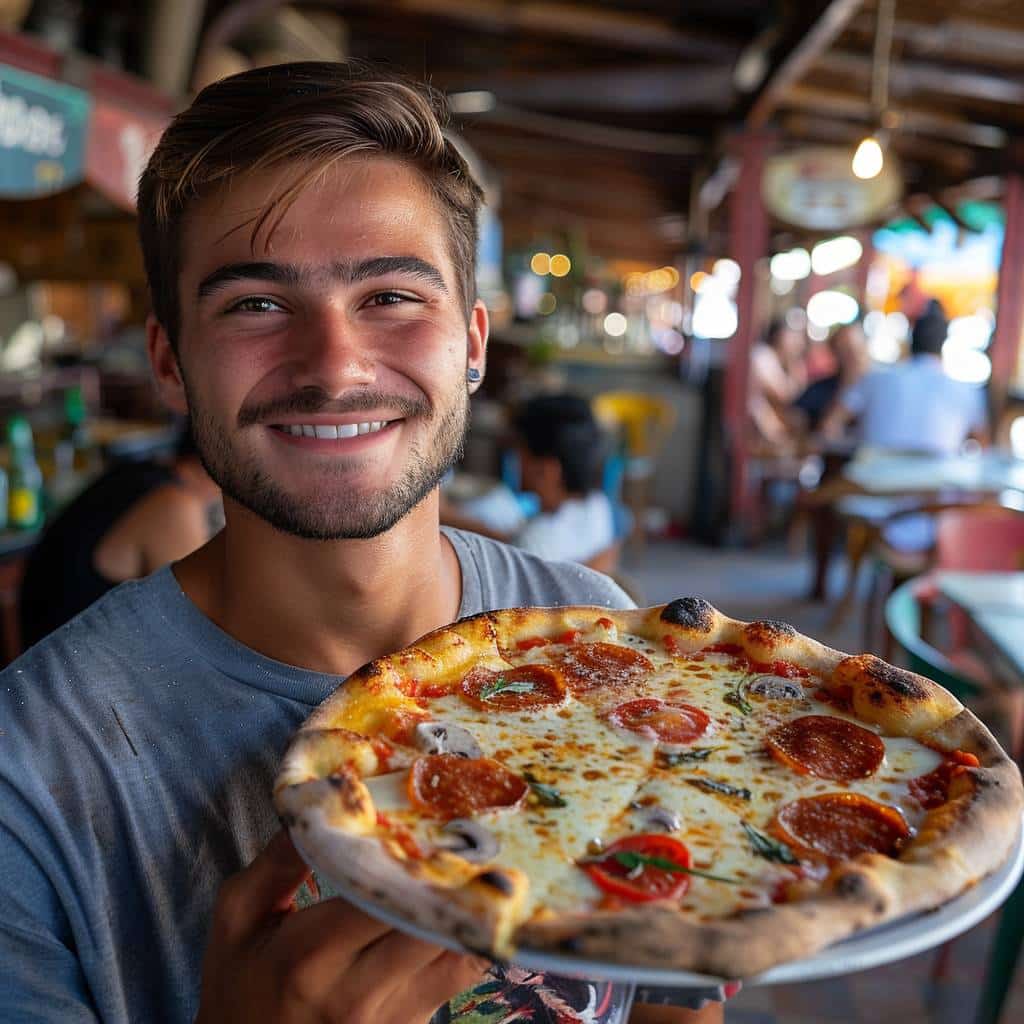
{"x":366,"y":516}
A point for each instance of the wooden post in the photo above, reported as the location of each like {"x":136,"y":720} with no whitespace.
{"x":1005,"y":348}
{"x":748,"y":243}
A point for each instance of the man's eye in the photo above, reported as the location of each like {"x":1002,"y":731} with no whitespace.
{"x":254,"y":304}
{"x":389,"y":299}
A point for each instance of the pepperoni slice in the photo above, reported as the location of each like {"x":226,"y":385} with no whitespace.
{"x":640,"y":868}
{"x":449,"y":786}
{"x":666,"y":721}
{"x":838,"y":826}
{"x":528,"y":686}
{"x":831,"y":748}
{"x":932,"y":790}
{"x":590,"y":666}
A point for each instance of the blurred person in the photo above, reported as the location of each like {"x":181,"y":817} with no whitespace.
{"x":138,"y":516}
{"x":561,"y":454}
{"x":848,"y":347}
{"x":778,"y":374}
{"x":309,"y":235}
{"x":913,"y":406}
{"x":561,"y":451}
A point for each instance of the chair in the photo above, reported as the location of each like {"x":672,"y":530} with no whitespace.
{"x":642,"y":423}
{"x":903,"y":619}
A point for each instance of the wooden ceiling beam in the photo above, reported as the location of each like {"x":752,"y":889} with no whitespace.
{"x":805,"y":51}
{"x":624,"y":89}
{"x":912,"y":76}
{"x":591,"y":133}
{"x":917,"y":119}
{"x":618,"y":30}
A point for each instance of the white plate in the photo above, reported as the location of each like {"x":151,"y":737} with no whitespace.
{"x":882,"y":945}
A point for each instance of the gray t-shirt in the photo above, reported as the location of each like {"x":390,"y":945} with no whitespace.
{"x":138,"y":746}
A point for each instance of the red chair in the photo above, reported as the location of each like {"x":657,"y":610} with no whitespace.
{"x":979,"y":540}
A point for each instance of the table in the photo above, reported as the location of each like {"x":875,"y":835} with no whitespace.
{"x":994,"y":602}
{"x":987,"y":472}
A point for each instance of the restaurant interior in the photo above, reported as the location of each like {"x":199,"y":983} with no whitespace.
{"x":710,"y":228}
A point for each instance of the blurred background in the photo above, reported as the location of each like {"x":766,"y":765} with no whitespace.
{"x":756,"y":278}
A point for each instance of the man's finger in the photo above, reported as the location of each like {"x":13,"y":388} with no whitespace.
{"x":263,"y":889}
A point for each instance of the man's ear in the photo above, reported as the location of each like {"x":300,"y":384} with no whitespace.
{"x":476,"y":337}
{"x":166,"y":370}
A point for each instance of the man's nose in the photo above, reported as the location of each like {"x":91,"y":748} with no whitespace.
{"x":332,"y":353}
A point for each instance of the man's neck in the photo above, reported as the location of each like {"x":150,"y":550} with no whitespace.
{"x":326,"y":606}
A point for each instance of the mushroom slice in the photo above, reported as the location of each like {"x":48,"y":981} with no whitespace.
{"x":776,"y":688}
{"x":470,"y":840}
{"x":438,"y":738}
{"x":660,"y":818}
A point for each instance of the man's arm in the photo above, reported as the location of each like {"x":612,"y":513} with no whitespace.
{"x":41,"y":978}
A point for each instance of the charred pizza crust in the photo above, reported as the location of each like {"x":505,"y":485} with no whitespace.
{"x":329,"y":810}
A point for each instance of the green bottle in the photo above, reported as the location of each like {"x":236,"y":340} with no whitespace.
{"x":25,"y":481}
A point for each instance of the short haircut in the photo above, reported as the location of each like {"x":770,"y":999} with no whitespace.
{"x":311,"y":114}
{"x":563,"y":426}
{"x":929,"y":332}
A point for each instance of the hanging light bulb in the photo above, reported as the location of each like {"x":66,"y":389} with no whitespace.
{"x":869,"y":159}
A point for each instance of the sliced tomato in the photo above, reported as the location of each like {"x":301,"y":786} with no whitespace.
{"x":638,"y":880}
{"x":449,"y":786}
{"x":514,"y":689}
{"x":665,"y":721}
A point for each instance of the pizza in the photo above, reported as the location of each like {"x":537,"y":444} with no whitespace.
{"x":659,"y":786}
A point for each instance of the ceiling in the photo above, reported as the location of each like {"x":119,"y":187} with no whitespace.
{"x":608,"y":117}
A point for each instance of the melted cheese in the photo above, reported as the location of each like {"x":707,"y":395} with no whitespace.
{"x":600,"y":772}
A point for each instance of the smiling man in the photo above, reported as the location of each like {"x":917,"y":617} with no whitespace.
{"x":309,"y":237}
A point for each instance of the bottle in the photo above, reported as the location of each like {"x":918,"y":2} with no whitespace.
{"x":25,"y":485}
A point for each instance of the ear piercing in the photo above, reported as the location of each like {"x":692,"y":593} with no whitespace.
{"x":473,"y":375}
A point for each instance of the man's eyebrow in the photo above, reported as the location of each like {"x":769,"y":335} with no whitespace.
{"x":379,"y":266}
{"x":276,"y":273}
{"x":346,"y":272}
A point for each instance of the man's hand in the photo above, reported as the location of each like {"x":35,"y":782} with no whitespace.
{"x":327,"y":963}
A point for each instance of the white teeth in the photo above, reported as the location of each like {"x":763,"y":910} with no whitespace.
{"x":332,"y":432}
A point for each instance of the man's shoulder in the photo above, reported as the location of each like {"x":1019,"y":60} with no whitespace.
{"x":105,"y":642}
{"x":503,"y":576}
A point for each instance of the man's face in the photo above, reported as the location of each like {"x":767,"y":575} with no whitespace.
{"x":295,"y":351}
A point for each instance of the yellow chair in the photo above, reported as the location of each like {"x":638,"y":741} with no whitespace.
{"x":642,"y":424}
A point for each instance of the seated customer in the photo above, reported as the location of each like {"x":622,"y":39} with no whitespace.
{"x":137,"y":517}
{"x":914,"y":406}
{"x":561,"y":452}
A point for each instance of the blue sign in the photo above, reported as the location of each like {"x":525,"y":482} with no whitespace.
{"x":42,"y":135}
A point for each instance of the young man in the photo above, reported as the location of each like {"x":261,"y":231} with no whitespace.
{"x":309,"y":238}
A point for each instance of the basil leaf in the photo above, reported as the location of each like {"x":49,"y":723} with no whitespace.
{"x":631,"y":860}
{"x":738,"y":697}
{"x":503,"y":685}
{"x":769,"y":848}
{"x":714,"y":786}
{"x":546,"y":795}
{"x":700,"y":754}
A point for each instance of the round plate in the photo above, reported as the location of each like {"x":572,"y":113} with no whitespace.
{"x":894,"y":941}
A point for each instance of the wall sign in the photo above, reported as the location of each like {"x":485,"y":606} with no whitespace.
{"x":42,"y":134}
{"x":815,"y":187}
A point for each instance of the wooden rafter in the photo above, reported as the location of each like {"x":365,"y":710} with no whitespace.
{"x":824,"y":30}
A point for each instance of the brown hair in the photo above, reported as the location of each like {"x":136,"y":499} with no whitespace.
{"x":313,"y":113}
